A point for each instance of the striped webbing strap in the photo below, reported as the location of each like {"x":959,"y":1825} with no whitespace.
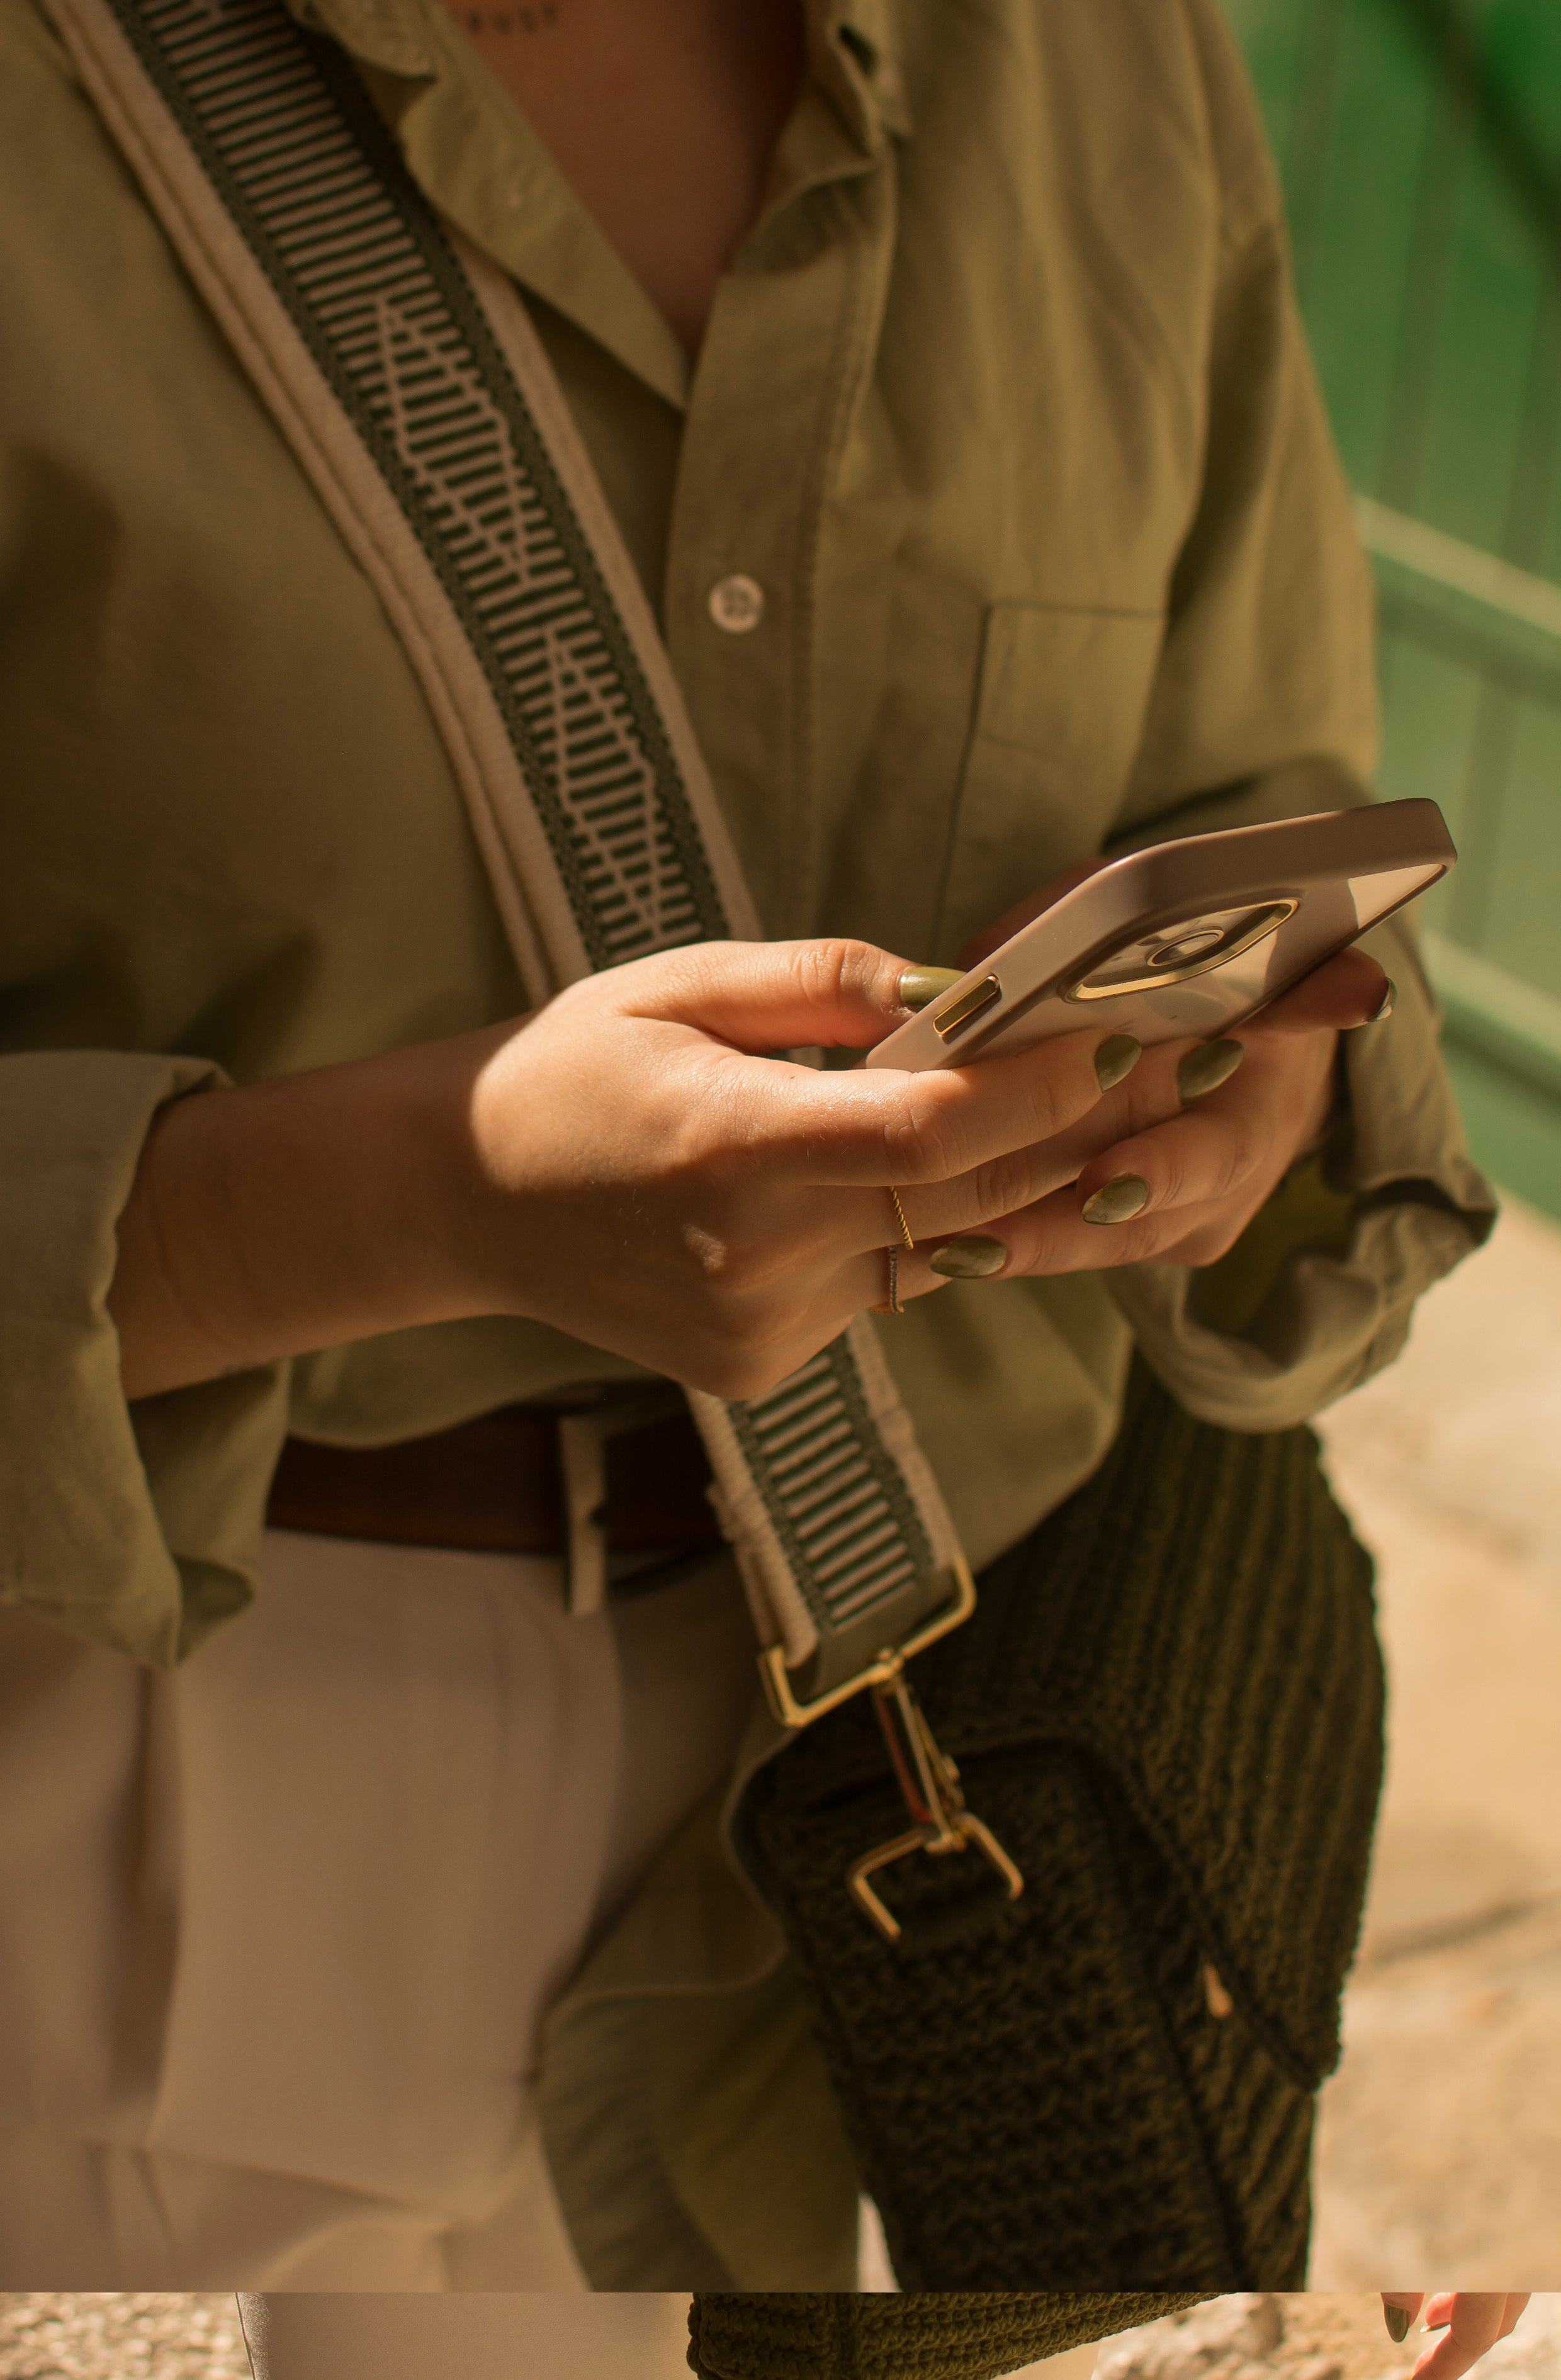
{"x":405,"y":375}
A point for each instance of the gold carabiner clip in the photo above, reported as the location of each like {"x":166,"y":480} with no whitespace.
{"x":930,"y":1785}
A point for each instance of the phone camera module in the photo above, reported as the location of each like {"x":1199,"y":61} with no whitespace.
{"x":1189,"y":946}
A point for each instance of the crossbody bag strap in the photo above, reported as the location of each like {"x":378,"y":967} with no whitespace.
{"x":403,"y":372}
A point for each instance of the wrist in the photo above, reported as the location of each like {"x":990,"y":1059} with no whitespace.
{"x":279,"y":1218}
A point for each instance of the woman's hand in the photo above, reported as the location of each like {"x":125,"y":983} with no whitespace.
{"x":624,"y":1164}
{"x":1172,"y":1168}
{"x":651,"y":1183}
{"x":1471,"y":2319}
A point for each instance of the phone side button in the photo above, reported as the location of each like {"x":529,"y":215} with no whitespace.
{"x":952,"y":1019}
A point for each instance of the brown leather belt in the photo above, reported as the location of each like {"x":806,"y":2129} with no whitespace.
{"x":600,"y":1483}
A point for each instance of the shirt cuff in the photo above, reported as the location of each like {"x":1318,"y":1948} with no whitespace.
{"x":136,"y":1528}
{"x":1337,"y":1313}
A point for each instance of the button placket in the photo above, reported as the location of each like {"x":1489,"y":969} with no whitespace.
{"x":753,"y":484}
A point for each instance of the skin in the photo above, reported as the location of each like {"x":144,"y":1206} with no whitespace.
{"x":662,"y":115}
{"x":626,"y":1164}
{"x":1472,"y":2320}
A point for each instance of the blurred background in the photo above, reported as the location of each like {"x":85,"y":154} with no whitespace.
{"x":1420,"y":146}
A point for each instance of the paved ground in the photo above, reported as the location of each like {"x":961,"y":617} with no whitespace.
{"x":1316,"y":2335}
{"x":145,"y":2337}
{"x":1439,"y":2157}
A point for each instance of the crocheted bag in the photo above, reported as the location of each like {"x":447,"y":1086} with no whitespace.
{"x":957,"y":2336}
{"x":1168,"y":1707}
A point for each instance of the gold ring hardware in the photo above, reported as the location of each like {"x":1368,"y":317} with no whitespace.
{"x":891,"y":1304}
{"x":881,"y":1671}
{"x":930,"y":1784}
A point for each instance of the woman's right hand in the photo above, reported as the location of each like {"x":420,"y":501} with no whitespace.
{"x":625,"y":1164}
{"x":654,"y":1185}
{"x":1472,"y":2320}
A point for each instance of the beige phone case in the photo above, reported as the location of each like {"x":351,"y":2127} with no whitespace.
{"x":1187,"y":939}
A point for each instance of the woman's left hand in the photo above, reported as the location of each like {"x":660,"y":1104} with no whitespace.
{"x":1471,"y":2321}
{"x":1177,"y":1160}
{"x":1183,"y":1181}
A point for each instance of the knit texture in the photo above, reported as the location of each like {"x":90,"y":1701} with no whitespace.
{"x":1168,"y":1707}
{"x":956,"y":2335}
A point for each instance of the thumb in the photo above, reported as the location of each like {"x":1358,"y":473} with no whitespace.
{"x":768,"y":995}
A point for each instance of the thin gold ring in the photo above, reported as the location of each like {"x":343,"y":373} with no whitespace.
{"x":899,"y":1219}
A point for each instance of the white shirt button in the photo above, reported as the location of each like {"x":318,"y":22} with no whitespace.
{"x":737,"y":603}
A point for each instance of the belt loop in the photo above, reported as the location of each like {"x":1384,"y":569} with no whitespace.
{"x":582,"y":1446}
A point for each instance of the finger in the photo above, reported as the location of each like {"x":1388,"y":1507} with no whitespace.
{"x":1346,"y":991}
{"x":890,"y":1126}
{"x":1474,"y":2327}
{"x":1211,"y":1151}
{"x":1051,"y":1236}
{"x":1400,"y":2308}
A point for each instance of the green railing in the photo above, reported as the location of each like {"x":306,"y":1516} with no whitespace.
{"x":1419,"y":142}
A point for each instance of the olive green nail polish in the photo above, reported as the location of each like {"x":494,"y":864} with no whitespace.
{"x":1118,"y":1201}
{"x":1388,"y":998}
{"x":971,"y":1259}
{"x":918,"y":985}
{"x":1395,"y":2317}
{"x":1115,"y":1059}
{"x":1203,"y":1070}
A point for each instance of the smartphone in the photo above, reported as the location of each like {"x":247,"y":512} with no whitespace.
{"x":1187,"y":939}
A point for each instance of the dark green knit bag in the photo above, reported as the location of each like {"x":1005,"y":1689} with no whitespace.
{"x":952,"y":2336}
{"x":1168,"y":1707}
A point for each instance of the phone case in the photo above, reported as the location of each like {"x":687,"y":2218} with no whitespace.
{"x":1187,"y":939}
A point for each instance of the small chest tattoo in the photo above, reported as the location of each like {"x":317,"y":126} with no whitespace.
{"x":533,"y":17}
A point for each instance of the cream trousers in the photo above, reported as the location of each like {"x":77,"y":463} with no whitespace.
{"x":347,"y":2336}
{"x":277,"y":1931}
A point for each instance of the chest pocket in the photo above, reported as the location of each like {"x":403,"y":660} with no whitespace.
{"x":1058,"y":714}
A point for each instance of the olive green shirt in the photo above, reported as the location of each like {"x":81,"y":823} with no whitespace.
{"x":1003,"y":407}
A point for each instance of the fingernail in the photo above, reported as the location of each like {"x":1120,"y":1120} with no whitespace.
{"x":920,"y":985}
{"x":971,"y":1259}
{"x":1118,"y":1201}
{"x":1395,"y":2317}
{"x":1115,"y":1059}
{"x":1203,"y":1070}
{"x":1386,"y":1010}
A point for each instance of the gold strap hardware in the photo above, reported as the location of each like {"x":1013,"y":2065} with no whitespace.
{"x":880,"y":1671}
{"x":930,"y":1783}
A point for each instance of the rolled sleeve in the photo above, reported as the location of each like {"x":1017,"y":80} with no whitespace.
{"x":1264,"y":706}
{"x":136,"y":1528}
{"x":1415,"y":1208}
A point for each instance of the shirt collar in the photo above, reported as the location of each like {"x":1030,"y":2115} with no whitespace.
{"x":388,"y":33}
{"x":534,"y":227}
{"x":856,"y":53}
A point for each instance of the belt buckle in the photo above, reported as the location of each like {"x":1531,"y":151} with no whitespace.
{"x":581,"y":1444}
